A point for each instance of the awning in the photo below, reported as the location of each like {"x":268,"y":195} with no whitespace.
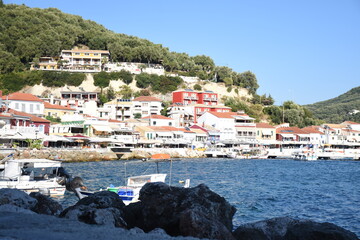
{"x":288,"y":135}
{"x":99,"y":140}
{"x":267,"y":132}
{"x":102,"y":128}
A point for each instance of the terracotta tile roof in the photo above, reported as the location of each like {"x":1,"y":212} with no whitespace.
{"x":290,"y":130}
{"x":86,"y":51}
{"x":169,"y":129}
{"x":22,"y":97}
{"x":115,"y":121}
{"x":227,"y":114}
{"x":33,"y":118}
{"x":312,"y":129}
{"x":55,"y":106}
{"x":157,"y":117}
{"x":264,"y":125}
{"x":335,"y":125}
{"x":146,"y":99}
{"x":350,"y":123}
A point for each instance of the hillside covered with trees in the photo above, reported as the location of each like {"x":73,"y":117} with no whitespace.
{"x":345,"y":107}
{"x":26,"y":34}
{"x":29,"y":33}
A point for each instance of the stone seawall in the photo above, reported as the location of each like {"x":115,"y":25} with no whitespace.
{"x":101,"y":154}
{"x":68,"y":155}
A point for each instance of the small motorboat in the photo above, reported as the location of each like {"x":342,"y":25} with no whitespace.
{"x":130,"y":193}
{"x":33,"y":175}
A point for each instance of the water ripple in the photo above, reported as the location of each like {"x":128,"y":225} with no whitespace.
{"x":324,"y":191}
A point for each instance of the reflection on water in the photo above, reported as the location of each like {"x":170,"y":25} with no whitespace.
{"x":259,"y":189}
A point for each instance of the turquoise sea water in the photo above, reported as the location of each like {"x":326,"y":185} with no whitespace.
{"x":323,"y":191}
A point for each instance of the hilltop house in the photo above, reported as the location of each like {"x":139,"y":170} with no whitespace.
{"x":84,"y":60}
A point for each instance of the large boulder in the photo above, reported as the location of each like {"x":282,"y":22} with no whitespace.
{"x":17,"y":198}
{"x":285,"y":228}
{"x":197,"y":211}
{"x":101,"y":208}
{"x":46,"y":205}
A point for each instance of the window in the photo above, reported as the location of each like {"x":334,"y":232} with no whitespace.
{"x":23,"y":107}
{"x":154,"y":123}
{"x":31,"y":108}
{"x":17,"y":106}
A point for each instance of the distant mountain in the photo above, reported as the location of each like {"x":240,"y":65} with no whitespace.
{"x":339,"y":109}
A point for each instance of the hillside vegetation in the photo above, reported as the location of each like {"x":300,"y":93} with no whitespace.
{"x":29,"y":33}
{"x":26,"y":34}
{"x":339,"y":109}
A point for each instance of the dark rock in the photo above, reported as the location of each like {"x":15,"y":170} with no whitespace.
{"x":167,"y":207}
{"x":101,"y":208}
{"x":46,"y":205}
{"x":196,"y":224}
{"x":17,"y":198}
{"x":285,"y":228}
{"x":313,"y":230}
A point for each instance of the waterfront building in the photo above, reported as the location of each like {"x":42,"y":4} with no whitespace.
{"x":351,"y":125}
{"x":316,"y":134}
{"x":57,"y":111}
{"x":186,"y":116}
{"x":30,"y":125}
{"x":233,"y":126}
{"x":84,"y":60}
{"x":159,"y":120}
{"x":24,"y":102}
{"x":265,"y":133}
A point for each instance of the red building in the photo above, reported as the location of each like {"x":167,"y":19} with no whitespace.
{"x":189,"y":97}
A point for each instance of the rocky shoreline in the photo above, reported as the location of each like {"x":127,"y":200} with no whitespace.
{"x":101,"y":154}
{"x":164,"y":212}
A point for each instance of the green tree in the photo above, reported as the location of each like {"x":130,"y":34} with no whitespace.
{"x":197,"y":87}
{"x":126,"y":92}
{"x":102,"y":80}
{"x":137,"y":115}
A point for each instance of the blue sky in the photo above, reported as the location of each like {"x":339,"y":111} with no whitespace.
{"x":305,"y":50}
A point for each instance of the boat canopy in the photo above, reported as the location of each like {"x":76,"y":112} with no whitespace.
{"x":36,"y":163}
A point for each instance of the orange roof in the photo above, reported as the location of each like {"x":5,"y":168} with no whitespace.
{"x":147,"y":99}
{"x":169,"y":128}
{"x":115,"y":121}
{"x":32,"y":117}
{"x":312,"y":129}
{"x":22,"y":97}
{"x":351,"y":123}
{"x":290,"y":130}
{"x":55,"y":106}
{"x":227,"y":114}
{"x":264,"y":125}
{"x":86,"y":51}
{"x":157,"y":117}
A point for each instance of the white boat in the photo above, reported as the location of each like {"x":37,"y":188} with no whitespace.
{"x":33,"y":175}
{"x":130,"y":193}
{"x":305,"y":155}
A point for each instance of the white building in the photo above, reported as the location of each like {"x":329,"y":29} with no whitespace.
{"x":25,"y":102}
{"x":231,"y":125}
{"x":146,"y":105}
{"x":159,"y":120}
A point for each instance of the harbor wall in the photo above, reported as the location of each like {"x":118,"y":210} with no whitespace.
{"x":99,"y":154}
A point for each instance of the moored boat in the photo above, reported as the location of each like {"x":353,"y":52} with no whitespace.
{"x":34,"y":175}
